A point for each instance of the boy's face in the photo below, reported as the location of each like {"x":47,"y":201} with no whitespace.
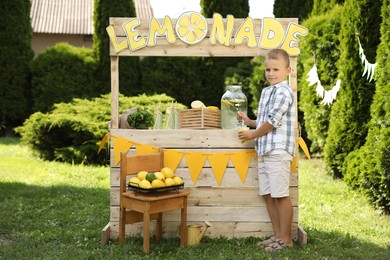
{"x":276,"y":70}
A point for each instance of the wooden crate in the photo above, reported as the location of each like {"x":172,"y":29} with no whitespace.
{"x":200,"y":118}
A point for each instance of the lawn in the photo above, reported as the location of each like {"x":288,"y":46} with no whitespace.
{"x":52,"y":210}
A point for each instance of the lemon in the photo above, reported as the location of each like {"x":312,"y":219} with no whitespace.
{"x":197,"y":104}
{"x":191,"y":27}
{"x":169,"y":182}
{"x":213,"y":107}
{"x":177,"y":180}
{"x":145,"y":184}
{"x":141,"y":175}
{"x":160,"y":176}
{"x":168,"y":172}
{"x":134,"y":181}
{"x":158,"y":184}
{"x":150,"y":177}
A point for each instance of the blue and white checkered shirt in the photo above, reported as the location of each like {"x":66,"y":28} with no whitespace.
{"x":277,"y":107}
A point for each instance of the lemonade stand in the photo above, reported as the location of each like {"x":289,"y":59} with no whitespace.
{"x":218,"y":170}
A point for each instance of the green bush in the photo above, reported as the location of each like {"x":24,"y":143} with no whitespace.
{"x":321,"y":48}
{"x":15,"y":58}
{"x":72,"y":132}
{"x":368,"y":169}
{"x":61,"y":73}
{"x":349,"y":116}
{"x":129,"y":71}
{"x":177,"y":77}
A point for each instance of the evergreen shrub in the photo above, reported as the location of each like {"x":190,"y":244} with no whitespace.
{"x":61,"y":73}
{"x":368,"y":169}
{"x":321,"y":48}
{"x":72,"y":132}
{"x":350,"y":113}
{"x":15,"y":58}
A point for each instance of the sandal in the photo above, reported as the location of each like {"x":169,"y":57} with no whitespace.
{"x":277,"y":245}
{"x":266,"y":242}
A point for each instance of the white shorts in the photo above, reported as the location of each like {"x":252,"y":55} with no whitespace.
{"x":274,"y":174}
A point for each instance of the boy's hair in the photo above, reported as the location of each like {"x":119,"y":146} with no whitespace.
{"x":275,"y":54}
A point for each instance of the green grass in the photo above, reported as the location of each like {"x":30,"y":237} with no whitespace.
{"x":51,"y":210}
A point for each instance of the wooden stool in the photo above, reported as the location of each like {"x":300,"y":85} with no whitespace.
{"x":138,"y":207}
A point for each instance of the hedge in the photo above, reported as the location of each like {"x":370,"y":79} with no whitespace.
{"x":72,"y":132}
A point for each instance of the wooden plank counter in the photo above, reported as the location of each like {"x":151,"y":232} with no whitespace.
{"x":234,"y":208}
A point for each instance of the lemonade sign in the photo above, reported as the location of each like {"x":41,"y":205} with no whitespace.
{"x":192,"y":28}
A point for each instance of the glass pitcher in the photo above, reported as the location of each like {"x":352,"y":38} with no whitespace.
{"x":232,"y":101}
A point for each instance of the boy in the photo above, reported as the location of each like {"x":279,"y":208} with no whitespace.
{"x":275,"y":146}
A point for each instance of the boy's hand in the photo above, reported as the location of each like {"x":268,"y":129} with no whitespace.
{"x":244,"y":134}
{"x":242,"y":116}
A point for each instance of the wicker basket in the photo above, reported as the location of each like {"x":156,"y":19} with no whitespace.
{"x":200,"y":118}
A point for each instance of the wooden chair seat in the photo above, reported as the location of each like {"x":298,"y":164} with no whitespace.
{"x":138,"y":207}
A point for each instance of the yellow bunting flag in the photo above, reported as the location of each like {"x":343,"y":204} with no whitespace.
{"x":241,"y":161}
{"x":195,"y":162}
{"x":303,"y":145}
{"x":120,"y":145}
{"x":145,"y":149}
{"x":218,"y":162}
{"x":299,"y":143}
{"x":172,"y":158}
{"x":106,"y":137}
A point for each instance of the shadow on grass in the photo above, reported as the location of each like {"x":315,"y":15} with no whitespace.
{"x":64,"y":222}
{"x":50,"y":221}
{"x":10,"y":140}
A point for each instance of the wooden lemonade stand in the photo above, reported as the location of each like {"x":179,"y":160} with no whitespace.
{"x":228,"y":197}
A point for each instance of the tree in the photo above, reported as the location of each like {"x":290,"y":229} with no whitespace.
{"x":323,"y":6}
{"x":129,"y":72}
{"x":15,"y":57}
{"x":293,"y":8}
{"x":321,"y":48}
{"x":368,"y":169}
{"x":214,"y":69}
{"x":349,"y":117}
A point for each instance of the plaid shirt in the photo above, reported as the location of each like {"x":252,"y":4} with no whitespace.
{"x":277,"y":107}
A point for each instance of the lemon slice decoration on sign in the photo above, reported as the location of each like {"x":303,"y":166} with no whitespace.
{"x":191,"y":27}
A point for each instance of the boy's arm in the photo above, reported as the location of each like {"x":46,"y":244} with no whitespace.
{"x":262,"y":130}
{"x":247,"y":121}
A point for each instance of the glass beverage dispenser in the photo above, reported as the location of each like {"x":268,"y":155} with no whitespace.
{"x":231,"y":102}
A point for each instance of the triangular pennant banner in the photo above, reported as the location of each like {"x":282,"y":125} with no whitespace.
{"x":145,"y":149}
{"x":218,"y":162}
{"x":172,"y":158}
{"x":303,"y":145}
{"x":195,"y":162}
{"x":241,"y":161}
{"x":120,"y":145}
{"x":103,"y":141}
{"x":293,"y":166}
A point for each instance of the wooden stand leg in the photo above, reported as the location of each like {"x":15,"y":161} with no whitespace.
{"x":122,"y":225}
{"x":183,"y":233}
{"x":146,"y":231}
{"x":159,"y":226}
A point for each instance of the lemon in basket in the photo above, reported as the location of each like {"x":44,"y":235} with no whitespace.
{"x":160,"y":176}
{"x":197,"y":104}
{"x":145,"y":184}
{"x":169,"y":182}
{"x":134,"y":181}
{"x":141,"y":175}
{"x":168,"y":172}
{"x":177,"y":180}
{"x":157,"y":183}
